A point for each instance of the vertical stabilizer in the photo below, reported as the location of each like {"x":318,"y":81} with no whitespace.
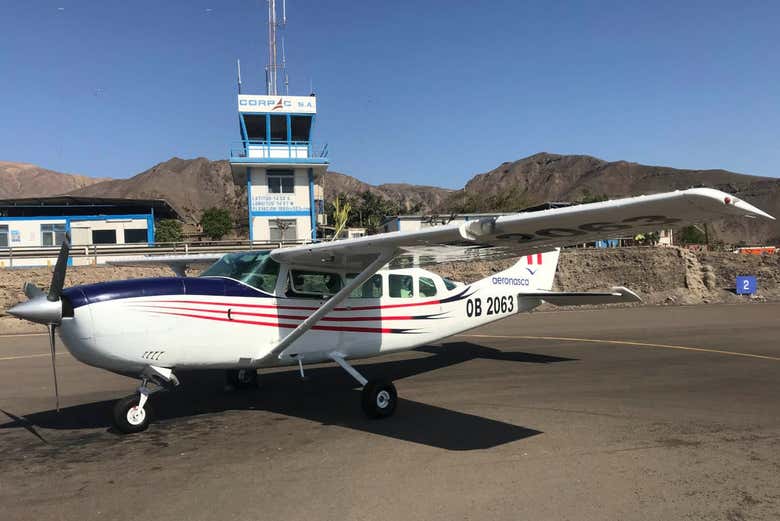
{"x":530,"y":273}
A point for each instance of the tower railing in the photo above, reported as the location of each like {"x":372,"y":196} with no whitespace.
{"x":282,"y":149}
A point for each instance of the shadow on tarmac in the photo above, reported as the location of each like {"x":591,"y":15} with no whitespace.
{"x":327,"y":396}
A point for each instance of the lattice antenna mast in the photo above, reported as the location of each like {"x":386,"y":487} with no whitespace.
{"x":272,"y":70}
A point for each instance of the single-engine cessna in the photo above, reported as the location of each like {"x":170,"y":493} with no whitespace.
{"x":336,"y":301}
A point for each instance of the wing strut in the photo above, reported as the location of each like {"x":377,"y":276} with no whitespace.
{"x":382,"y":259}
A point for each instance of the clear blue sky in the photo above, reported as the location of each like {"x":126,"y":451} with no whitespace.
{"x":421,"y":92}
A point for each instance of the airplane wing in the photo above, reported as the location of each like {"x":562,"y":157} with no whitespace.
{"x":509,"y":236}
{"x":525,"y":233}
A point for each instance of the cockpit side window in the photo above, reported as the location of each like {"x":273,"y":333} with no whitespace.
{"x":313,"y":284}
{"x":255,"y":268}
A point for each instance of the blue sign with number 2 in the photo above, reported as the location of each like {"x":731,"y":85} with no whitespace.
{"x":746,"y":284}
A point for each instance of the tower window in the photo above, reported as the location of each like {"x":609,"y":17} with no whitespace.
{"x":300,"y":127}
{"x":279,"y":128}
{"x":255,"y":127}
{"x":280,"y":182}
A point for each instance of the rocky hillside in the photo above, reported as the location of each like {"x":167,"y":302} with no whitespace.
{"x":27,"y":180}
{"x":189,"y":185}
{"x":409,"y":196}
{"x":551,"y":177}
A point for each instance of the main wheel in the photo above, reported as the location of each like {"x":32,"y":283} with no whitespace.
{"x":242,"y":378}
{"x":128,"y":417}
{"x":379,"y":399}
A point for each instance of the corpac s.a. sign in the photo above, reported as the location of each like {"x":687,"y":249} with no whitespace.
{"x":277,"y":104}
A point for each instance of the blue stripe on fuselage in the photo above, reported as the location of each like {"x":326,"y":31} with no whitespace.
{"x":122,"y":289}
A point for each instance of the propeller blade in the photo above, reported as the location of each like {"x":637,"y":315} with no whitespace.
{"x":58,"y":277}
{"x":31,"y":290}
{"x":52,"y":327}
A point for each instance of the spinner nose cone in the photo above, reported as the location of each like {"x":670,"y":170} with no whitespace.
{"x":40,"y":310}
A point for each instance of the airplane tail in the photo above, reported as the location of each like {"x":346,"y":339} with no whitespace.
{"x":531,"y":273}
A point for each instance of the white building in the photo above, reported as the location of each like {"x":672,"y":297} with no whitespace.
{"x":42,"y":222}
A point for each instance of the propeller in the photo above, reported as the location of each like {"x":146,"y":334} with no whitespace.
{"x":46,"y":309}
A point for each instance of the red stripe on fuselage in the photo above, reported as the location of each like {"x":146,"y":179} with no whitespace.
{"x":351,"y":329}
{"x":288,"y":317}
{"x":297,"y":308}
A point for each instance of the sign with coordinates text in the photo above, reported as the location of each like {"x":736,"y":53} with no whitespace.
{"x":276,"y":203}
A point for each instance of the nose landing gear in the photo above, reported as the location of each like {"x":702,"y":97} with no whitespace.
{"x":133,"y":413}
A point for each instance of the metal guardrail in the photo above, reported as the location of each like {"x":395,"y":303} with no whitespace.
{"x":96,"y":251}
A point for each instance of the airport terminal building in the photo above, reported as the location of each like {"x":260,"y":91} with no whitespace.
{"x":42,"y":222}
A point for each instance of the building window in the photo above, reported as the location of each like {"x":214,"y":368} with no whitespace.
{"x":52,"y":234}
{"x":4,"y":236}
{"x":135,"y":235}
{"x":281,"y":182}
{"x":427,"y":287}
{"x":372,"y":288}
{"x":103,"y":236}
{"x":282,"y":230}
{"x":400,"y":286}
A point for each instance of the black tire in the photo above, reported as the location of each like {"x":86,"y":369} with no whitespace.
{"x":242,"y":378}
{"x":379,"y":398}
{"x":128,"y":422}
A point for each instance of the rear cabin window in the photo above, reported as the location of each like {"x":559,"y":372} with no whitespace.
{"x":400,"y":286}
{"x":313,"y":284}
{"x":372,"y":288}
{"x":427,"y":288}
{"x":449,"y":284}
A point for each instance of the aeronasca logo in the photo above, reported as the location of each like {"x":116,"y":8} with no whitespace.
{"x":530,"y":260}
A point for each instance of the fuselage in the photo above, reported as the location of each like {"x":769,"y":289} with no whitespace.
{"x":218,"y":322}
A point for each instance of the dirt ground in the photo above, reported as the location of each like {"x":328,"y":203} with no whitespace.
{"x":661,"y":276}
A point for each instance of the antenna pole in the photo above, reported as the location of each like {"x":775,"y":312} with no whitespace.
{"x":238,"y":65}
{"x":273,"y":68}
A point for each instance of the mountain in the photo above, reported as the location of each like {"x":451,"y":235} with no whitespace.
{"x":189,"y":185}
{"x":411,"y":197}
{"x":26,"y":180}
{"x":547,"y":177}
{"x":192,"y":185}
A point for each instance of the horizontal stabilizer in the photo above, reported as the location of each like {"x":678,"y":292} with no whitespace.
{"x":567,"y":298}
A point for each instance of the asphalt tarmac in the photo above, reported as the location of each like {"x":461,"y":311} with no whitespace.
{"x":644,"y":413}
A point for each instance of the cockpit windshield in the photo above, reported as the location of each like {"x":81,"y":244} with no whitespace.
{"x":255,"y":268}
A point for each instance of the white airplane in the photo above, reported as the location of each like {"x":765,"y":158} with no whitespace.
{"x":336,"y":301}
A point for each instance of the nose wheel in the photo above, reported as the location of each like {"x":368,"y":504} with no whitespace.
{"x":132,"y":414}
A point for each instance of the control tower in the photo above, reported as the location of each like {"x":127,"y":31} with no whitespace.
{"x":276,"y":157}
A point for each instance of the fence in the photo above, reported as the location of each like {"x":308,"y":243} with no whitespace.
{"x":100,"y":253}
